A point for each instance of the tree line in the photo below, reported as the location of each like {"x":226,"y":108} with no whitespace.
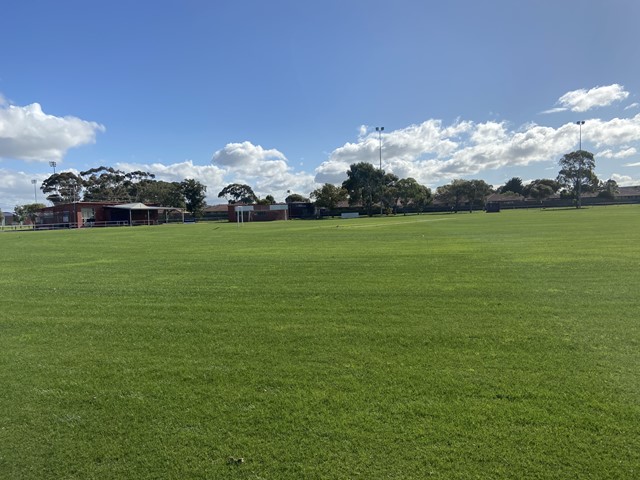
{"x":373,"y":189}
{"x":365,"y":186}
{"x":106,"y":184}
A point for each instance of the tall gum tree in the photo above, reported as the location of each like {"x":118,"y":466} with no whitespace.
{"x":364,"y":184}
{"x":577,"y":174}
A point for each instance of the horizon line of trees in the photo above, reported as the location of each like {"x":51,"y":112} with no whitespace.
{"x":106,"y":184}
{"x":371,"y":188}
{"x":365,"y":185}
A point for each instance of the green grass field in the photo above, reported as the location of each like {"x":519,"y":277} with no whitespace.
{"x":444,"y":346}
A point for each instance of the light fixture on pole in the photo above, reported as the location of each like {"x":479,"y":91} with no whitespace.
{"x":53,"y":165}
{"x":35,"y":195}
{"x":580,"y":123}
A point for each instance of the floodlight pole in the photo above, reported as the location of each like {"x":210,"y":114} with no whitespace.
{"x":53,"y":165}
{"x":35,"y":194}
{"x":580,"y":123}
{"x":380,"y":130}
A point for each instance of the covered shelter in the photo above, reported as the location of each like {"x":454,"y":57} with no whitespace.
{"x":137,"y":212}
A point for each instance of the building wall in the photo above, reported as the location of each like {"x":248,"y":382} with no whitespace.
{"x":260,"y":213}
{"x":91,"y":213}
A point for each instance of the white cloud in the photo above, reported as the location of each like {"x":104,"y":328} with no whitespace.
{"x":617,"y":131}
{"x":16,"y":189}
{"x":246,"y":155}
{"x":555,"y":110}
{"x":582,"y":100}
{"x":435,"y":153}
{"x":627,"y":152}
{"x":625,"y":180}
{"x":432,"y":152}
{"x":27,"y":133}
{"x":633,"y":105}
{"x":635,"y":164}
{"x":266,"y":171}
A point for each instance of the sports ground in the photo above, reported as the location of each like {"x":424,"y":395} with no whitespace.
{"x":449,"y":346}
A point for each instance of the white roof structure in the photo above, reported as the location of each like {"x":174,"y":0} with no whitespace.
{"x":142,"y":206}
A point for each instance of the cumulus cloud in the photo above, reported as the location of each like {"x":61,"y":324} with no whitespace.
{"x":625,"y":180}
{"x":433,"y":152}
{"x":617,"y":131}
{"x":267,"y":171}
{"x":247,"y":156}
{"x":582,"y":100}
{"x":27,"y":133}
{"x":624,"y":153}
{"x":16,"y":189}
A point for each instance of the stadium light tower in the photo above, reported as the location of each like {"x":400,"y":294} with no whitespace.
{"x":35,"y":194}
{"x":380,"y":130}
{"x":580,"y":123}
{"x":53,"y":165}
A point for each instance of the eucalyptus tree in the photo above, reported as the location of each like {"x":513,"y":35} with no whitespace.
{"x":608,"y":189}
{"x":410,"y":192}
{"x":158,"y":192}
{"x":63,"y":187}
{"x":194,"y":195}
{"x":295,"y":197}
{"x":268,"y":200}
{"x":453,"y":193}
{"x":329,"y":196}
{"x":540,"y":189}
{"x":577,"y":174}
{"x":364,"y":185}
{"x":389,"y":194}
{"x":105,"y":184}
{"x":30,"y":211}
{"x":513,"y":185}
{"x":477,"y":190}
{"x":238,"y":193}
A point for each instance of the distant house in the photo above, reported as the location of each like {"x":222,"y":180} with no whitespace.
{"x":628,"y":194}
{"x":216,"y":212}
{"x":505,"y":201}
{"x":216,"y":209}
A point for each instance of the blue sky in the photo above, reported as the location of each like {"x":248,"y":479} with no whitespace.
{"x":284,"y":95}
